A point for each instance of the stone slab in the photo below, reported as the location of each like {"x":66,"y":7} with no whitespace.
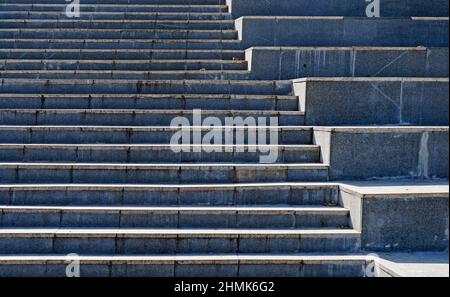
{"x":399,"y":215}
{"x":373,"y":101}
{"x":342,"y":31}
{"x":299,"y":62}
{"x":384,"y":152}
{"x":414,"y":264}
{"x":388,"y":8}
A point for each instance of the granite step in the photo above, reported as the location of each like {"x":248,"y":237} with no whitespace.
{"x":137,"y":65}
{"x":242,"y":265}
{"x":148,"y":44}
{"x":85,"y":75}
{"x":126,"y":117}
{"x":271,"y":217}
{"x":156,"y":101}
{"x":180,"y":86}
{"x":135,"y":2}
{"x":186,"y":173}
{"x":293,"y":135}
{"x":125,"y":54}
{"x":160,"y":195}
{"x":119,"y":24}
{"x":142,"y":154}
{"x":148,"y":16}
{"x":134,"y":34}
{"x":126,"y":7}
{"x":169,"y":241}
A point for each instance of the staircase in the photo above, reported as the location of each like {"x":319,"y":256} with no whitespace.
{"x":86,"y":165}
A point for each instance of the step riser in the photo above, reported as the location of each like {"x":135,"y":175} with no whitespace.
{"x":151,"y":103}
{"x":173,"y":219}
{"x":338,"y":32}
{"x":121,"y":55}
{"x":86,"y":155}
{"x":100,"y":118}
{"x":280,"y":195}
{"x":118,"y":44}
{"x":123,"y":66}
{"x":91,"y":34}
{"x":114,"y":16}
{"x":340,"y":102}
{"x":25,"y":86}
{"x":263,"y":269}
{"x":347,"y":62}
{"x":123,"y":75}
{"x":163,"y":245}
{"x":124,"y":136}
{"x":80,"y":24}
{"x":389,"y":8}
{"x":172,"y":175}
{"x":116,"y":8}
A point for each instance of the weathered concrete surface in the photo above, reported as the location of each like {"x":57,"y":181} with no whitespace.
{"x":388,"y":8}
{"x":399,"y":215}
{"x":163,"y":195}
{"x":342,"y":31}
{"x":297,"y":62}
{"x":373,"y":101}
{"x":274,"y":265}
{"x":384,"y":152}
{"x":419,"y":264}
{"x":59,"y":71}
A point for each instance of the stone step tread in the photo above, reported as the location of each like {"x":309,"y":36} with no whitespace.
{"x":212,"y":187}
{"x":83,"y":42}
{"x":120,"y":54}
{"x":108,"y":15}
{"x":161,"y":86}
{"x":135,"y":128}
{"x":158,"y":82}
{"x":191,"y":61}
{"x":135,"y":15}
{"x":22,"y":21}
{"x":71,"y":30}
{"x":146,"y":51}
{"x":117,"y":72}
{"x":372,"y":79}
{"x":396,"y":189}
{"x":143,"y":35}
{"x":302,"y":147}
{"x":119,"y":40}
{"x":118,"y":13}
{"x":145,"y":96}
{"x":168,"y":112}
{"x":378,"y":129}
{"x":167,"y":233}
{"x":260,"y":209}
{"x":313,"y":258}
{"x":128,"y":5}
{"x":162,"y":166}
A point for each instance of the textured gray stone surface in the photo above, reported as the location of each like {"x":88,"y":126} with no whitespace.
{"x":416,"y":264}
{"x":85,"y":161}
{"x":342,"y":31}
{"x":401,"y":216}
{"x":388,"y":8}
{"x":373,"y":101}
{"x":299,"y":62}
{"x":190,"y":266}
{"x":384,"y":152}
